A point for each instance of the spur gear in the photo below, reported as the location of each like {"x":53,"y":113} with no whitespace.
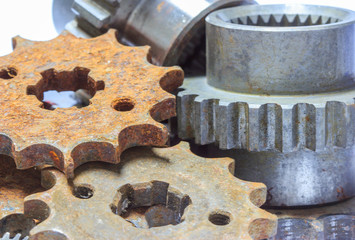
{"x":154,"y":193}
{"x":129,"y":97}
{"x":137,"y":21}
{"x":17,"y":237}
{"x":280,"y":91}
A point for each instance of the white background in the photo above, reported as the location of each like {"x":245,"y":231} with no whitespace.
{"x":32,"y":19}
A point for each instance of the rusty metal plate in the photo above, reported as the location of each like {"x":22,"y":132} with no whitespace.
{"x":154,"y":193}
{"x":129,"y":97}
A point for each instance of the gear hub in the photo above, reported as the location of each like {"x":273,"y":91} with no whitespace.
{"x":280,"y":91}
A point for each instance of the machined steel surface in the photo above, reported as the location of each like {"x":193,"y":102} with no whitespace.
{"x":279,"y":91}
{"x":129,"y":97}
{"x":153,"y":193}
{"x":174,"y":29}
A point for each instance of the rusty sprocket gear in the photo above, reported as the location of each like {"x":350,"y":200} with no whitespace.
{"x":129,"y":97}
{"x":171,"y":192}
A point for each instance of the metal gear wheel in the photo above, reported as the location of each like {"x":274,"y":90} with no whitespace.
{"x":137,"y":22}
{"x":154,"y":193}
{"x":129,"y":97}
{"x":280,"y":90}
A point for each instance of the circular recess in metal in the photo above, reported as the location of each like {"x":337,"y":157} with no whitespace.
{"x":279,"y":93}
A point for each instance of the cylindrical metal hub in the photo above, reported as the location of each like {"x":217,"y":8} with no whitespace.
{"x":279,"y":95}
{"x":281,"y":49}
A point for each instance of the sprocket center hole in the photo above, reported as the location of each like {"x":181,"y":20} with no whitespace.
{"x":152,"y":204}
{"x":77,"y":81}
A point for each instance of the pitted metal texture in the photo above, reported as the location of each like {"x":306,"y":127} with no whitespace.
{"x":278,"y":92}
{"x":129,"y":97}
{"x":153,"y":193}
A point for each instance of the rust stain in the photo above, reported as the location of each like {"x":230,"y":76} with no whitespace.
{"x":340,"y":194}
{"x":130,"y":96}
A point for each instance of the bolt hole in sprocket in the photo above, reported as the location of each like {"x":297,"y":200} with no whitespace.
{"x":8,"y":73}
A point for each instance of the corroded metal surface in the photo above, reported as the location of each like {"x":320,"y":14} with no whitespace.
{"x":15,"y":185}
{"x":154,"y":193}
{"x":129,"y":97}
{"x":327,"y":222}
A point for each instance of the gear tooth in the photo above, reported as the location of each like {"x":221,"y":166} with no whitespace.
{"x":257,"y":193}
{"x":18,"y":41}
{"x":308,"y":21}
{"x":7,"y":146}
{"x":336,"y":116}
{"x":73,"y":28}
{"x":254,"y":129}
{"x":44,"y":154}
{"x":319,"y":21}
{"x":284,"y":21}
{"x":297,"y":21}
{"x":314,"y":18}
{"x":304,"y":126}
{"x":320,"y":128}
{"x":172,"y":79}
{"x":273,"y":21}
{"x":266,"y":18}
{"x":303,"y":18}
{"x":334,"y":20}
{"x":261,"y":21}
{"x":50,"y":177}
{"x":240,"y":21}
{"x":270,"y":127}
{"x":185,"y":115}
{"x":243,"y":20}
{"x":205,"y":115}
{"x":328,"y":20}
{"x":252,"y":20}
{"x":263,"y":228}
{"x":6,"y":236}
{"x":232,"y":123}
{"x":228,"y":164}
{"x":290,"y":19}
{"x":92,"y":12}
